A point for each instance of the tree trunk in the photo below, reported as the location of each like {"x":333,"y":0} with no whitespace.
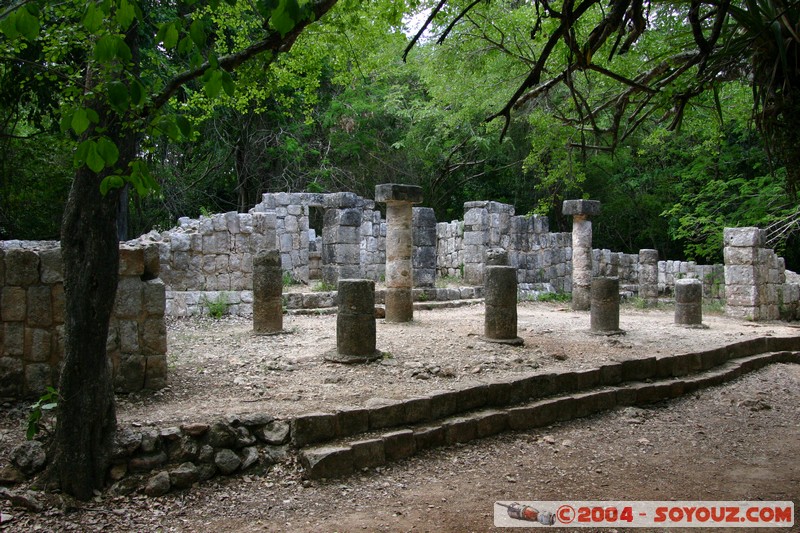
{"x":86,"y":420}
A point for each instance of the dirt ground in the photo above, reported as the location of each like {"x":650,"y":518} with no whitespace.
{"x":739,"y":441}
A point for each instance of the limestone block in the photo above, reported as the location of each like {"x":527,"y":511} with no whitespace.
{"x":51,"y":266}
{"x":581,"y":207}
{"x":128,"y":331}
{"x":21,"y":267}
{"x":740,"y":275}
{"x":38,"y":376}
{"x":128,"y":303}
{"x":245,"y":223}
{"x":743,"y":237}
{"x":131,"y":261}
{"x":394,"y":192}
{"x":206,"y":226}
{"x":13,"y":339}
{"x":57,"y":303}
{"x":11,"y":377}
{"x":196,"y":243}
{"x":13,"y":304}
{"x":155,"y":372}
{"x":40,"y":313}
{"x":341,"y":200}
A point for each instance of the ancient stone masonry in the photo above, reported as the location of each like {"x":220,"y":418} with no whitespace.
{"x":424,"y":254}
{"x":541,"y":257}
{"x":755,"y":278}
{"x":581,"y":211}
{"x":450,"y":249}
{"x":32,"y":310}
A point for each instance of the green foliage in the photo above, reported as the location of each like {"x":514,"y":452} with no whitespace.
{"x":46,"y":402}
{"x":323,"y":286}
{"x":554,"y":297}
{"x":218,"y":307}
{"x":288,"y":280}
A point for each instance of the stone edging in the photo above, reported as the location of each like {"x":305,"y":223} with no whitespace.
{"x":344,"y":441}
{"x":452,"y":417}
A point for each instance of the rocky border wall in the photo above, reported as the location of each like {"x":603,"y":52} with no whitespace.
{"x":32,"y":312}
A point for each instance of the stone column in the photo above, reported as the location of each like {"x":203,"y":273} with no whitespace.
{"x":648,"y":277}
{"x":500,"y":294}
{"x":267,"y":292}
{"x":744,"y":276}
{"x":355,"y":323}
{"x":476,"y":239}
{"x":399,"y":200}
{"x":689,"y":302}
{"x":581,"y":211}
{"x":341,"y":238}
{"x":605,"y":306}
{"x":424,"y":260}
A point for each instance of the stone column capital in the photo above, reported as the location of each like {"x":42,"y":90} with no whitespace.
{"x":581,"y":208}
{"x":398,"y":193}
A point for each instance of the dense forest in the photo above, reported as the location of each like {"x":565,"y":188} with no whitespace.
{"x":343,"y":111}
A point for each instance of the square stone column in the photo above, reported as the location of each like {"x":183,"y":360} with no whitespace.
{"x":581,"y":211}
{"x":399,"y":200}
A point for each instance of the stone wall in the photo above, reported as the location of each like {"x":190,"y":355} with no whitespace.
{"x":755,"y":278}
{"x":32,"y":312}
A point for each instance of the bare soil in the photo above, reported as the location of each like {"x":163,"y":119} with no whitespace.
{"x":739,"y":441}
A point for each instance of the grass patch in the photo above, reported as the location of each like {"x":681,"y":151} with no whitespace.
{"x":322,"y":286}
{"x":217,"y":307}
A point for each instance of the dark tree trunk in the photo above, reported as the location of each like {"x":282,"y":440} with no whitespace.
{"x":86,"y":414}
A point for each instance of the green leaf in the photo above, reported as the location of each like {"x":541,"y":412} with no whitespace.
{"x":93,"y":19}
{"x":108,"y":151}
{"x":138,"y":94}
{"x":227,"y":83}
{"x":212,"y":83}
{"x":285,"y":16}
{"x":111,"y":182}
{"x":170,"y":38}
{"x":118,"y":96}
{"x":105,"y":49}
{"x":93,"y":158}
{"x":27,"y":24}
{"x":66,"y":121}
{"x":81,"y":153}
{"x":80,"y":120}
{"x":184,"y":125}
{"x":197,"y":32}
{"x":8,"y":27}
{"x":125,"y":14}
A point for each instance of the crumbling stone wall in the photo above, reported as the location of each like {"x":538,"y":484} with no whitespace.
{"x":755,"y":278}
{"x":32,"y":312}
{"x":540,"y":257}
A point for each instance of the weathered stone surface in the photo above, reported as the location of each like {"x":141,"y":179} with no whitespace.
{"x":275,"y":432}
{"x":21,"y":267}
{"x":581,"y":207}
{"x":195,"y":429}
{"x":249,"y":457}
{"x":368,"y":453}
{"x":605,"y":305}
{"x":460,"y":429}
{"x":147,"y":462}
{"x":243,"y":437}
{"x":183,"y":450}
{"x":351,"y":421}
{"x":126,"y":441}
{"x":394,"y":192}
{"x":385,"y":413}
{"x":313,"y":427}
{"x":399,"y":444}
{"x":29,"y":457}
{"x":327,"y":461}
{"x":158,"y":485}
{"x":227,"y":461}
{"x":221,"y":435}
{"x":430,"y":437}
{"x":184,"y":476}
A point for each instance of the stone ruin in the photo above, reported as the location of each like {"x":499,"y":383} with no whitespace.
{"x":32,"y":312}
{"x":330,"y":237}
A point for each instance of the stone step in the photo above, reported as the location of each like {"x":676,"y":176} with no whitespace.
{"x":453,"y":417}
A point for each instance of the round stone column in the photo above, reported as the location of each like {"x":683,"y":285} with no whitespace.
{"x":689,"y":303}
{"x":399,"y":200}
{"x":581,"y":211}
{"x":648,"y":276}
{"x":605,"y":306}
{"x":500,"y":297}
{"x":267,"y":292}
{"x":355,"y":322}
